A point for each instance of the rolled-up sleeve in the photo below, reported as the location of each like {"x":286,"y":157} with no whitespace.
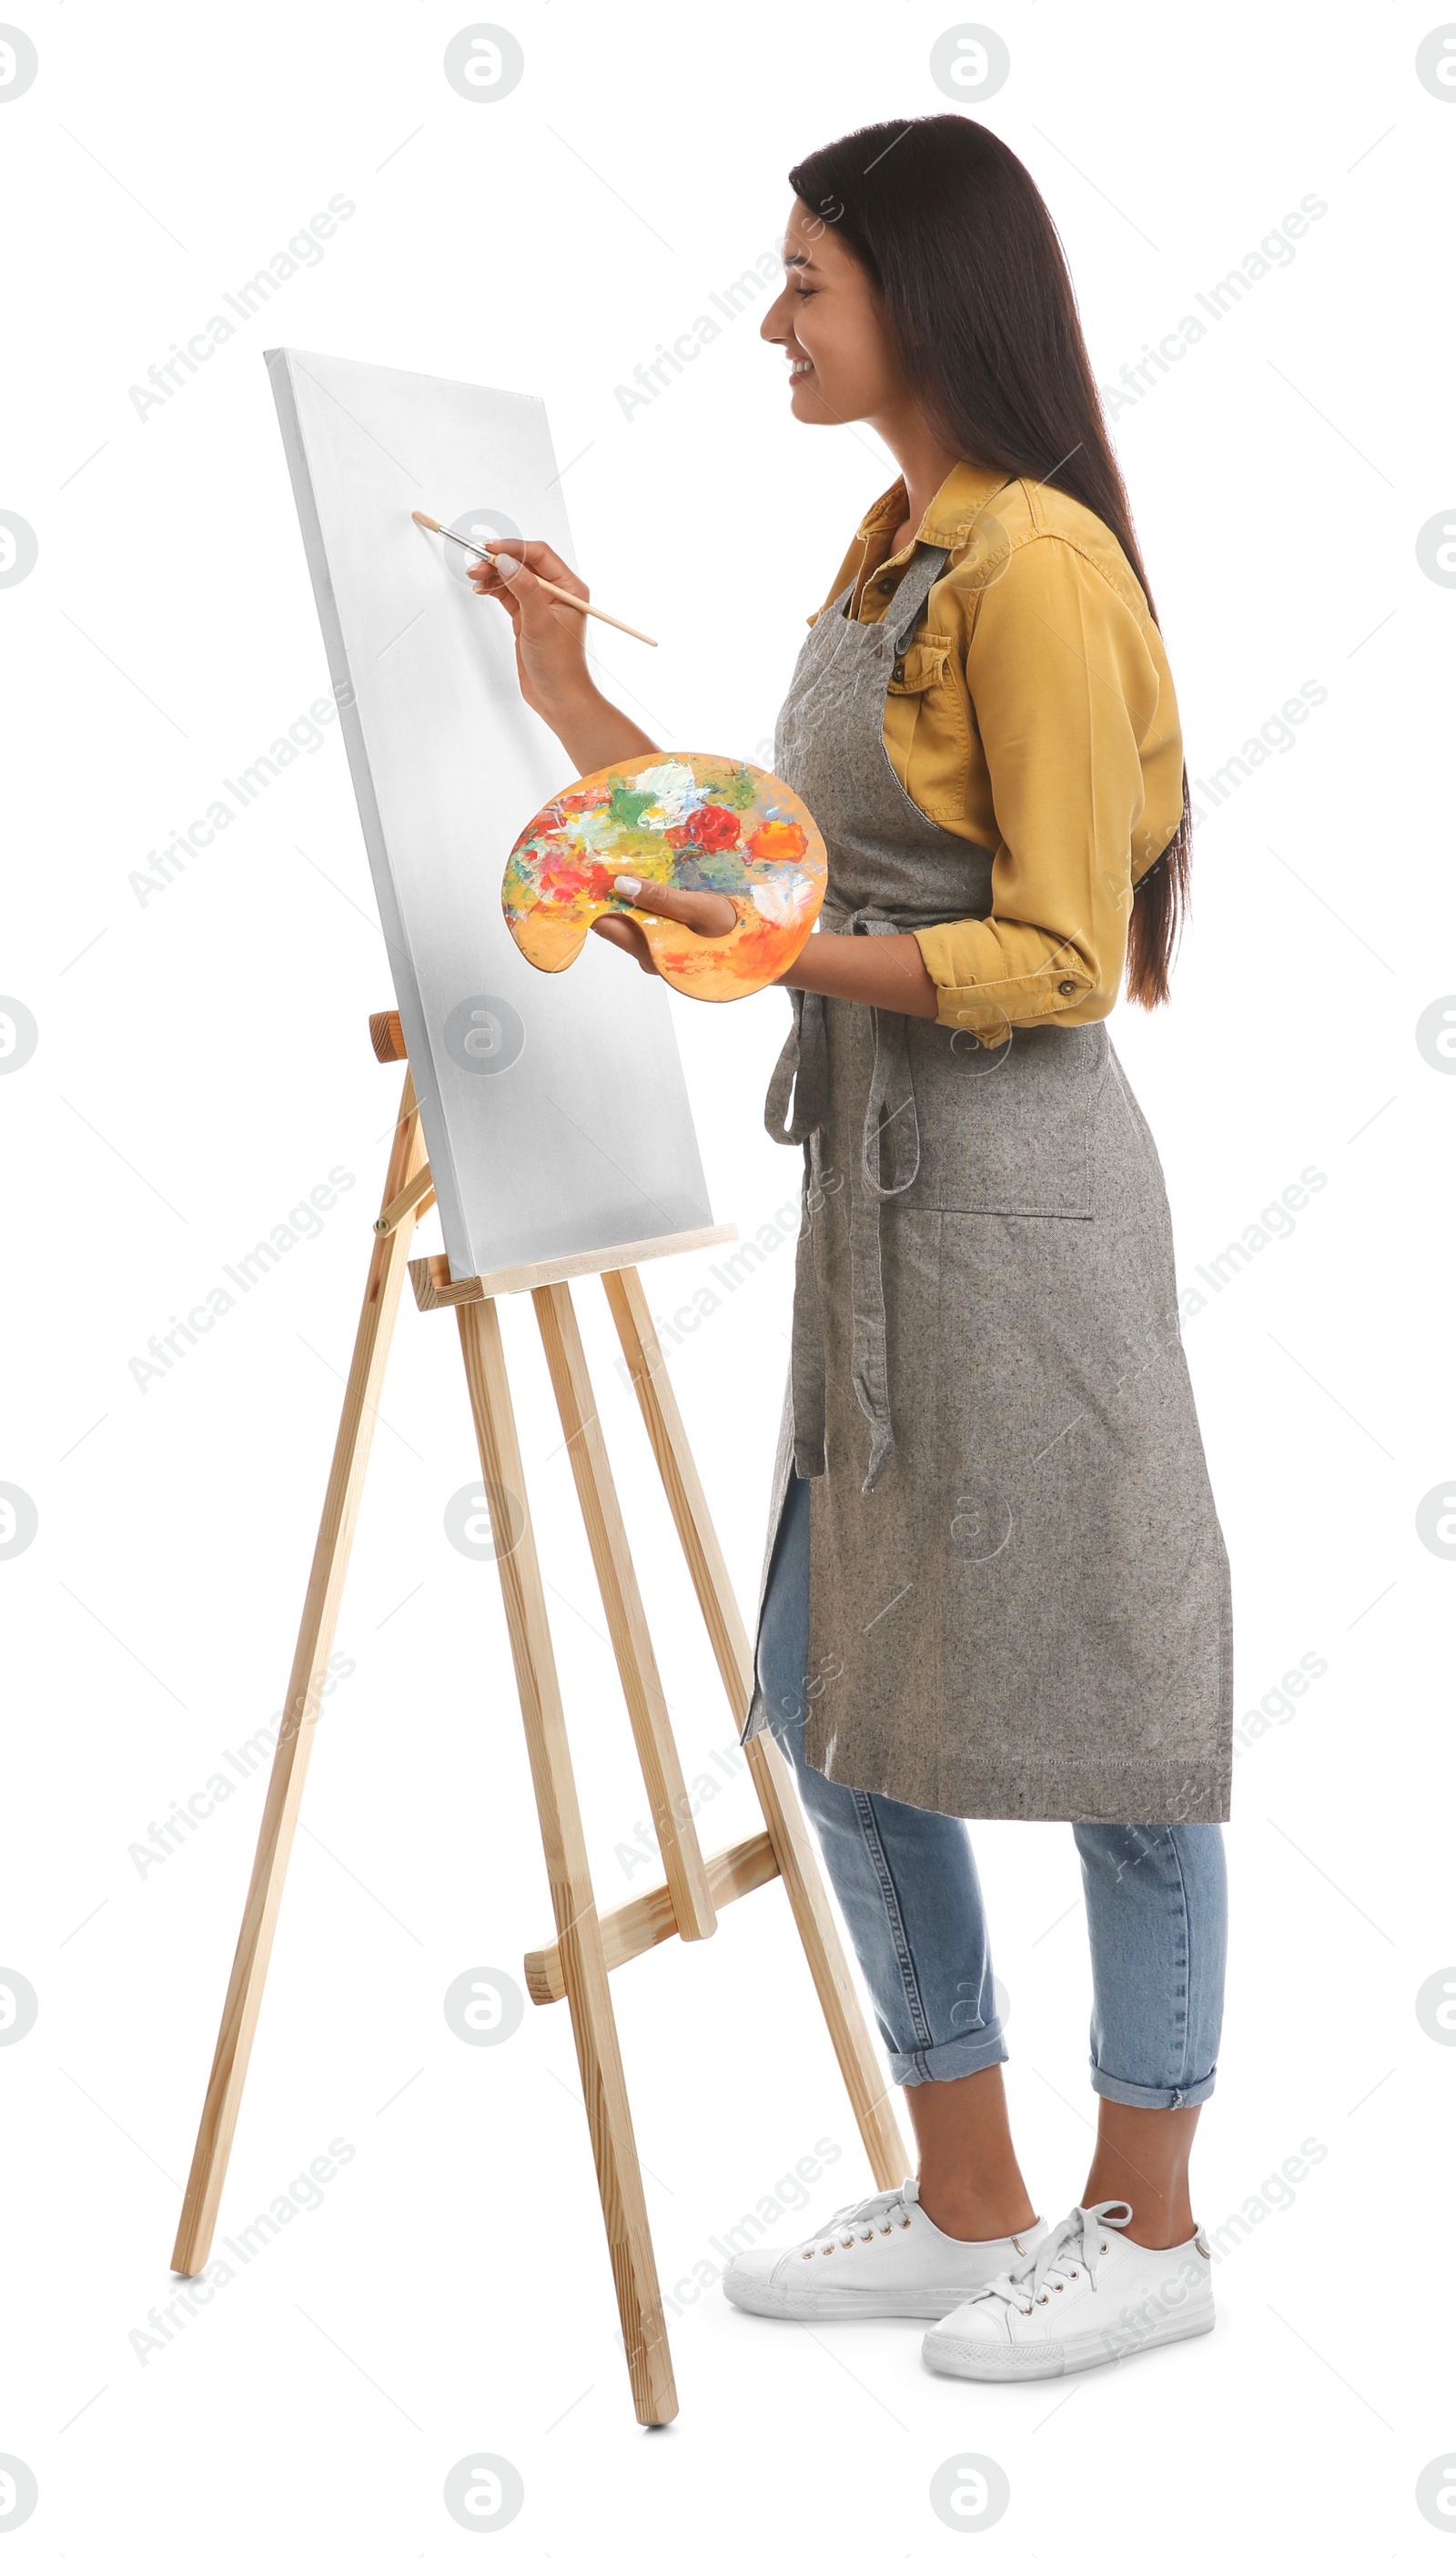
{"x":1065,"y":694}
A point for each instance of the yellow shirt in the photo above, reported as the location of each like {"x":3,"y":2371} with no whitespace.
{"x":1034,"y":714}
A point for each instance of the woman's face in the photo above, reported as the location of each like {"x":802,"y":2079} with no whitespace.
{"x":829,"y":322}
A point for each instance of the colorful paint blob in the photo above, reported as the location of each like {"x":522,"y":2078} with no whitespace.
{"x":685,"y":821}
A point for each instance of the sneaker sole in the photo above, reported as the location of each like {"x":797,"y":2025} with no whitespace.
{"x":965,"y":2360}
{"x":767,"y":2299}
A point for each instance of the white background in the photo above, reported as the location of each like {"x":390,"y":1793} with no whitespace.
{"x":202,"y":1062}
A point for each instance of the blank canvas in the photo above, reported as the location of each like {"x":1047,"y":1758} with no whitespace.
{"x":554,"y":1108}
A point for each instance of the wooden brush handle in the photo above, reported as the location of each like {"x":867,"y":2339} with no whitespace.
{"x":594,"y":610}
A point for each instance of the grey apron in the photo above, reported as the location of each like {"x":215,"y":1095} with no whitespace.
{"x":1019,"y":1601}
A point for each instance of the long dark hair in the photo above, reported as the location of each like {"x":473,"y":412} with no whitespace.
{"x":956,"y":239}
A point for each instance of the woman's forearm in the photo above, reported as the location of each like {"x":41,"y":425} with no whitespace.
{"x":881,"y":968}
{"x":593,"y":730}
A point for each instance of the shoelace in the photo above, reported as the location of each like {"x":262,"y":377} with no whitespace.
{"x":1073,"y":2248}
{"x":882,"y":2212}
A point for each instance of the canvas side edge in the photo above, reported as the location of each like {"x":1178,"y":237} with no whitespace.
{"x":280,"y":361}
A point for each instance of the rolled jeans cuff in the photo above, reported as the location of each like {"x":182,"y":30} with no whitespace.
{"x":1152,"y":2099}
{"x":939,"y":2063}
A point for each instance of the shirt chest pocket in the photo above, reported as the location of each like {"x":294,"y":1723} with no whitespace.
{"x":1008,"y":1131}
{"x":928,"y":726}
{"x":922,"y":665}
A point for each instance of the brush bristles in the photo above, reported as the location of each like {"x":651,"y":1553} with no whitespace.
{"x":428,"y":521}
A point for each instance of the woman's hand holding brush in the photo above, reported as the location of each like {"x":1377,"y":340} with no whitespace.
{"x":550,"y":651}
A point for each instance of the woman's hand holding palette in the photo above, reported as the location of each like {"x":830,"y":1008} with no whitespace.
{"x":679,"y":821}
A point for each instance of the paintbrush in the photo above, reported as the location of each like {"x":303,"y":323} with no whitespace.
{"x":559,"y":592}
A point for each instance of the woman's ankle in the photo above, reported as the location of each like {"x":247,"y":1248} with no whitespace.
{"x":960,"y":2210}
{"x":971,"y":2185}
{"x":1141,"y":2159}
{"x":1161,"y":2229}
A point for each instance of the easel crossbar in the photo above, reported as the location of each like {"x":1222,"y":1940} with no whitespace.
{"x":634,"y":1926}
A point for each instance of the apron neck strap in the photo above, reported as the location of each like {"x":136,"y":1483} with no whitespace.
{"x":908,"y":602}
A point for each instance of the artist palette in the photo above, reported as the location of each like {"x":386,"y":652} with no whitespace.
{"x":685,"y":821}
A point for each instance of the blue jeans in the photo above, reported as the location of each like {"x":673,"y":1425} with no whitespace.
{"x":907,"y":1884}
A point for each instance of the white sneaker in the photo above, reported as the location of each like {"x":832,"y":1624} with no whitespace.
{"x":1090,"y":2296}
{"x":880,"y":2258}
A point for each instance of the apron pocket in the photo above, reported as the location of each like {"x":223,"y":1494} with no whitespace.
{"x":1008,"y":1131}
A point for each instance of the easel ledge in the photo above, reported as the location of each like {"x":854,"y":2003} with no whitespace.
{"x":434,"y":1287}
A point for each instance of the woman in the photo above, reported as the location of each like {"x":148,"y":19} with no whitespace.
{"x":995,"y":1583}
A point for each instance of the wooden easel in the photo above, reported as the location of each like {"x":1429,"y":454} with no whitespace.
{"x":588,"y":1943}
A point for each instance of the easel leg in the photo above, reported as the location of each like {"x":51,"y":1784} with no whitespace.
{"x":782,"y":1814}
{"x":656,"y":1748}
{"x":296,"y":1733}
{"x":604,"y":2086}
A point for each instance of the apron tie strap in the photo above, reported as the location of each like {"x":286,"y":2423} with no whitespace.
{"x":802,"y":1073}
{"x":794,"y":1115}
{"x":802,"y":1070}
{"x":890,"y":1113}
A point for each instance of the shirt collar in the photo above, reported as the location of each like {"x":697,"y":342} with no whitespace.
{"x":947,"y":520}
